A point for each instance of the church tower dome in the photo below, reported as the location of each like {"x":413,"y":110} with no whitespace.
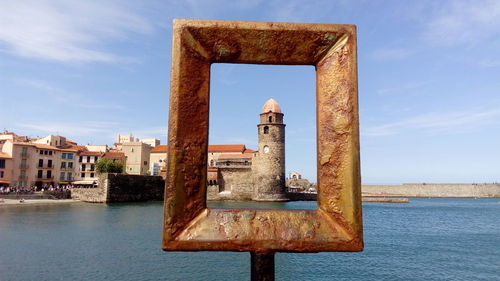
{"x":271,"y":105}
{"x":268,"y":165}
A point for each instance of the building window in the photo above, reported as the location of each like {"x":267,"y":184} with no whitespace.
{"x":63,"y":156}
{"x":92,"y":167}
{"x":40,"y":174}
{"x":63,"y":165}
{"x":91,"y":175}
{"x":70,"y":165}
{"x":145,"y":162}
{"x":212,"y":162}
{"x":50,"y":152}
{"x":49,"y":164}
{"x":70,"y":155}
{"x":88,"y":159}
{"x":81,"y":159}
{"x":83,"y":167}
{"x":96,"y":158}
{"x":266,"y":130}
{"x":49,"y":174}
{"x":83,"y":175}
{"x":25,"y":150}
{"x":70,"y":175}
{"x":270,"y":119}
{"x":22,"y":174}
{"x":63,"y":175}
{"x":46,"y":152}
{"x":40,"y":163}
{"x":41,"y":152}
{"x":2,"y":163}
{"x":1,"y":174}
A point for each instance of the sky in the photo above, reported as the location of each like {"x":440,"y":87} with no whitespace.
{"x":429,"y":79}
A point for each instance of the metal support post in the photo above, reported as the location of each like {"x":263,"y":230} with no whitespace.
{"x":262,"y":266}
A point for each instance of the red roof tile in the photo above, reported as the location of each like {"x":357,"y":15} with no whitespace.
{"x":114,"y":155}
{"x":211,"y":148}
{"x":45,"y":146}
{"x":90,"y":153}
{"x":159,"y":149}
{"x":226,"y":148}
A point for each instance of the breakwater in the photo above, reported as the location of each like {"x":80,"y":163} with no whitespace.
{"x":451,"y":190}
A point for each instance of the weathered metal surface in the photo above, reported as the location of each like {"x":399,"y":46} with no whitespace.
{"x":336,"y":225}
{"x":262,"y":267}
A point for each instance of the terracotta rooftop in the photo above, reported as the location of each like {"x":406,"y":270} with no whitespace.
{"x":271,"y":106}
{"x":211,"y":148}
{"x":4,"y":155}
{"x":45,"y":146}
{"x":23,"y":143}
{"x":159,"y":149}
{"x":90,"y":153}
{"x":114,"y":155}
{"x":226,"y":148}
{"x":78,"y":147}
{"x":70,"y":149}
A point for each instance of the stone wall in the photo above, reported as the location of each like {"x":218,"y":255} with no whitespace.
{"x":122,"y":188}
{"x":233,"y":184}
{"x":302,"y":196}
{"x":433,"y":190}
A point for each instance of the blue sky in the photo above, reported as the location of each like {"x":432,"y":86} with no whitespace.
{"x":429,"y":79}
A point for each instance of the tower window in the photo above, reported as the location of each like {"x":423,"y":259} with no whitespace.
{"x":270,"y":119}
{"x":266,"y":130}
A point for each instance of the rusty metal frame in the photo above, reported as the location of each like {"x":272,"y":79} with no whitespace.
{"x":336,"y":224}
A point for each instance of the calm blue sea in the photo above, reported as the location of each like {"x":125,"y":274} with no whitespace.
{"x":427,"y":239}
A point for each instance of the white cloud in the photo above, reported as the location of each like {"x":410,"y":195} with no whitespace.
{"x":463,"y":23}
{"x":65,"y":97}
{"x":70,"y":32}
{"x":71,"y":129}
{"x":437,"y":123}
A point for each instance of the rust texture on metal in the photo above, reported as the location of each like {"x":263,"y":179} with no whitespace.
{"x":336,"y":224}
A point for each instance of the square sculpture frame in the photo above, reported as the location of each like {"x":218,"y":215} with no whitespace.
{"x":336,"y":224}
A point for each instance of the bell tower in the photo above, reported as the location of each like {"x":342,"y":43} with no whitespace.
{"x":268,"y":165}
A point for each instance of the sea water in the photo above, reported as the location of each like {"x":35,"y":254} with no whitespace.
{"x":427,"y":239}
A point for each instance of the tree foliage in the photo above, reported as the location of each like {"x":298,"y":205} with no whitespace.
{"x":108,"y":166}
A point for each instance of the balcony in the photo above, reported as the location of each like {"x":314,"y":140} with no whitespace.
{"x":45,"y":166}
{"x":23,"y":167}
{"x":67,"y":168}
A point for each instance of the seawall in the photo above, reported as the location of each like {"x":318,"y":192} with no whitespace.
{"x":483,"y":190}
{"x":122,"y":188}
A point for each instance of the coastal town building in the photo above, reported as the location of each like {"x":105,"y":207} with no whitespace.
{"x":137,"y":155}
{"x":158,"y":160}
{"x":5,"y":169}
{"x":86,"y":173}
